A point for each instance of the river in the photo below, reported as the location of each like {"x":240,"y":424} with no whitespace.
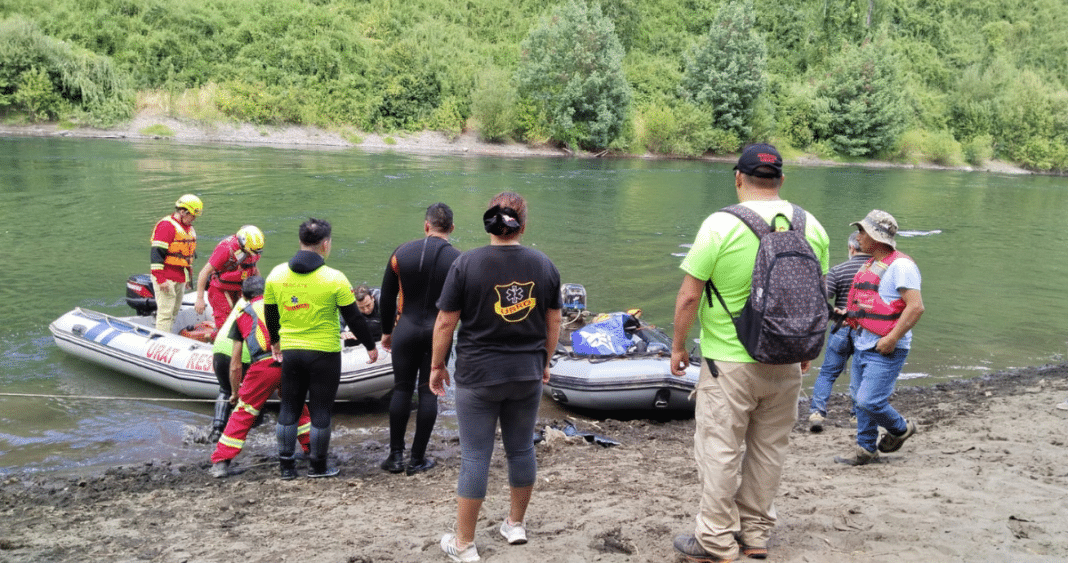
{"x":77,"y":215}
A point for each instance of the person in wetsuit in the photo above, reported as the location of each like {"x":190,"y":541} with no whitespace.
{"x":410,"y":289}
{"x":367,"y":302}
{"x":301,"y":304}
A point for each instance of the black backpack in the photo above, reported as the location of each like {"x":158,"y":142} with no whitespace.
{"x":785,"y":317}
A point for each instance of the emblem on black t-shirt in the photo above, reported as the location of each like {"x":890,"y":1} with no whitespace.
{"x":515,"y":301}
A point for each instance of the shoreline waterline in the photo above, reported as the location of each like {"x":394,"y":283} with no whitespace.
{"x":419,"y":142}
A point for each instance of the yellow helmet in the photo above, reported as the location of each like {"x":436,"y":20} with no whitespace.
{"x":190,"y":203}
{"x":251,"y":239}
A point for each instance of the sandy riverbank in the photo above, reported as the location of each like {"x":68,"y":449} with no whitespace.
{"x":984,"y":480}
{"x":424,"y":142}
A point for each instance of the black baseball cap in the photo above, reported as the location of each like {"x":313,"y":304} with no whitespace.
{"x":760,"y":160}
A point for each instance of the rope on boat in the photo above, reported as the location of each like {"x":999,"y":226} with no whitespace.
{"x":104,"y":398}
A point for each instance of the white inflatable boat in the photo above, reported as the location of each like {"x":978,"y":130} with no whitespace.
{"x":615,"y":362}
{"x":133,"y":346}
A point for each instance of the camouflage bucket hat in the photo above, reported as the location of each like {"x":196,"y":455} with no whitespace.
{"x":880,"y":226}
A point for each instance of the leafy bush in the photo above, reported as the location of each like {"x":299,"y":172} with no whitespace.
{"x":572,"y":71}
{"x":493,"y":105}
{"x":939,"y":147}
{"x":799,"y":111}
{"x":725,"y":72}
{"x":1043,"y":154}
{"x":1030,"y":110}
{"x":35,"y":93}
{"x":684,"y":130}
{"x":979,"y":150}
{"x":658,"y":130}
{"x":447,"y":118}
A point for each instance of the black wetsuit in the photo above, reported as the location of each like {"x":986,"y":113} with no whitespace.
{"x":410,"y":288}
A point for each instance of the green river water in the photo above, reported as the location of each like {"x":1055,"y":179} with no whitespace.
{"x":76,"y":216}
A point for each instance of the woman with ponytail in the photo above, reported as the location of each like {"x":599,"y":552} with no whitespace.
{"x":505,"y":297}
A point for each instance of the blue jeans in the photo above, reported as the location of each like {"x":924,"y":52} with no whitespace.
{"x":874,"y":378}
{"x":839,"y":348}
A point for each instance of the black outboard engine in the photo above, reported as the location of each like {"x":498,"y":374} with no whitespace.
{"x":140,"y":295}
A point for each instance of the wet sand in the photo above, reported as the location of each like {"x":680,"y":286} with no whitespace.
{"x":984,"y":479}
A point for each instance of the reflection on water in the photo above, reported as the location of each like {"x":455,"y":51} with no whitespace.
{"x":77,"y":215}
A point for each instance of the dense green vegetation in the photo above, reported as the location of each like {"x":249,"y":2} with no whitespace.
{"x":951,"y":81}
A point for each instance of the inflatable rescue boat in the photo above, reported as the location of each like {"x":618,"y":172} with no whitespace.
{"x":615,"y":362}
{"x":179,"y":361}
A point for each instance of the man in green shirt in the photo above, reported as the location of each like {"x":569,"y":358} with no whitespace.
{"x":744,"y":409}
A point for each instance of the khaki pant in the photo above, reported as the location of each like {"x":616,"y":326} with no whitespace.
{"x":168,"y":302}
{"x":743,"y":418}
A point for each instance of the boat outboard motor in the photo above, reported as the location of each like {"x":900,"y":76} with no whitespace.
{"x":573,"y":297}
{"x":140,"y":295}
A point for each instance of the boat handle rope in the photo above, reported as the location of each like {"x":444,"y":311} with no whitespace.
{"x":106,"y":398}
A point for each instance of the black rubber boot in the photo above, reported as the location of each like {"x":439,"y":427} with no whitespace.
{"x":223,"y":408}
{"x":320,"y":444}
{"x":288,"y":468}
{"x":394,"y":463}
{"x":287,"y":442}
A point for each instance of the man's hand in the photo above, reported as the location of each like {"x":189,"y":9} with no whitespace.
{"x":387,"y":342}
{"x":201,"y":305}
{"x":439,"y":378}
{"x":276,"y":352}
{"x":373,"y":355}
{"x":680,"y":360}
{"x":886,"y":345}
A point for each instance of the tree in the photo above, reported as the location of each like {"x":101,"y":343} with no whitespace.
{"x":724,"y":73}
{"x":865,"y":106}
{"x":571,"y":73}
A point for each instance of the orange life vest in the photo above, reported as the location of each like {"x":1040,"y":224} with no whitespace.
{"x":181,"y":250}
{"x":865,"y":308}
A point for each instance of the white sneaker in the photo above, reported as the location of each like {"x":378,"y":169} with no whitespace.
{"x":466,"y":555}
{"x":1063,"y":406}
{"x":516,"y":534}
{"x":815,"y":421}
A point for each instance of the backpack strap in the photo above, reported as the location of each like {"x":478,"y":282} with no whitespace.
{"x":709,"y":289}
{"x":750,"y":218}
{"x":760,"y":228}
{"x":798,"y":221}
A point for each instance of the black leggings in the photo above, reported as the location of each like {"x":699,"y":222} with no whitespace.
{"x":311,"y":374}
{"x":412,"y":347}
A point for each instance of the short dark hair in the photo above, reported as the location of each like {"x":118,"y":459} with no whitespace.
{"x":253,"y":286}
{"x":361,"y":292}
{"x":439,"y":216}
{"x":313,"y":231}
